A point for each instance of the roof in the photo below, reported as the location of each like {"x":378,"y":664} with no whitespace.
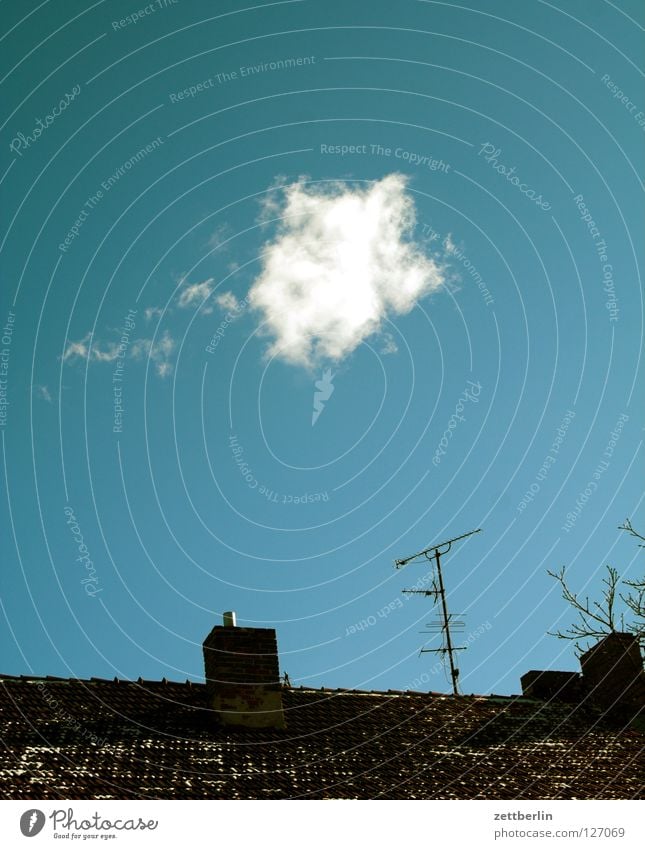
{"x":101,"y":739}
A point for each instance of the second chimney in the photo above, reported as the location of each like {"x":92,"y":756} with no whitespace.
{"x":243,"y":675}
{"x":613,"y":674}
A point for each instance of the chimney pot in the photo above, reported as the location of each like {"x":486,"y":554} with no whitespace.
{"x":229,"y":619}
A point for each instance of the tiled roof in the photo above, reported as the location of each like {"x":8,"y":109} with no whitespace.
{"x":73,"y":739}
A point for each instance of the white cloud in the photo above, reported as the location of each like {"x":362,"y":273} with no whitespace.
{"x":163,"y":369}
{"x":228,"y":301}
{"x":78,"y":349}
{"x":342,"y":260}
{"x":107,"y":354}
{"x":81,"y":350}
{"x":159,"y":351}
{"x":140,"y":349}
{"x":220,"y":235}
{"x":152,"y":312}
{"x":44,"y":393}
{"x":271,"y":204}
{"x":388,"y":344}
{"x":197,"y":292}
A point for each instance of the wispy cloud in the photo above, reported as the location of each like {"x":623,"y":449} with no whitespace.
{"x":151,"y":313}
{"x":160,"y":351}
{"x":43,"y":392}
{"x":220,"y":235}
{"x":190,"y":294}
{"x":197,"y":293}
{"x":82,"y":350}
{"x":228,"y":301}
{"x":107,"y":354}
{"x":388,"y":344}
{"x":272,"y":203}
{"x":342,"y":260}
{"x":78,"y":349}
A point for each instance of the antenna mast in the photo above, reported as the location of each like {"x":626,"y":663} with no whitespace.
{"x":435,"y":552}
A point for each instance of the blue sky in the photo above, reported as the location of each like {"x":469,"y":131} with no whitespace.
{"x":210,"y":403}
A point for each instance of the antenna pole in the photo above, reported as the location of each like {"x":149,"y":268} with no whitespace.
{"x":454,"y":672}
{"x":438,"y":590}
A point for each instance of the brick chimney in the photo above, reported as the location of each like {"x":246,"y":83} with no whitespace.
{"x":612,"y":677}
{"x":613,"y":673}
{"x":243,"y":676}
{"x":548,"y":685}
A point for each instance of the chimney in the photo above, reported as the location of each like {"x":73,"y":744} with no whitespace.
{"x":243,"y":676}
{"x":548,"y":685}
{"x":612,"y":678}
{"x":612,"y":672}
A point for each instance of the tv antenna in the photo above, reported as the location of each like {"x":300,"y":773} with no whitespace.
{"x":438,"y":591}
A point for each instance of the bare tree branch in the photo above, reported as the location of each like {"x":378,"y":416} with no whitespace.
{"x":630,"y":530}
{"x":595,"y":621}
{"x":600,"y":618}
{"x":635,"y":601}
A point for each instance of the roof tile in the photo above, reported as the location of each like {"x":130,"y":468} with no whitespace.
{"x":149,"y":739}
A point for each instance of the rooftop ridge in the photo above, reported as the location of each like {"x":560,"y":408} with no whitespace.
{"x":303,"y":688}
